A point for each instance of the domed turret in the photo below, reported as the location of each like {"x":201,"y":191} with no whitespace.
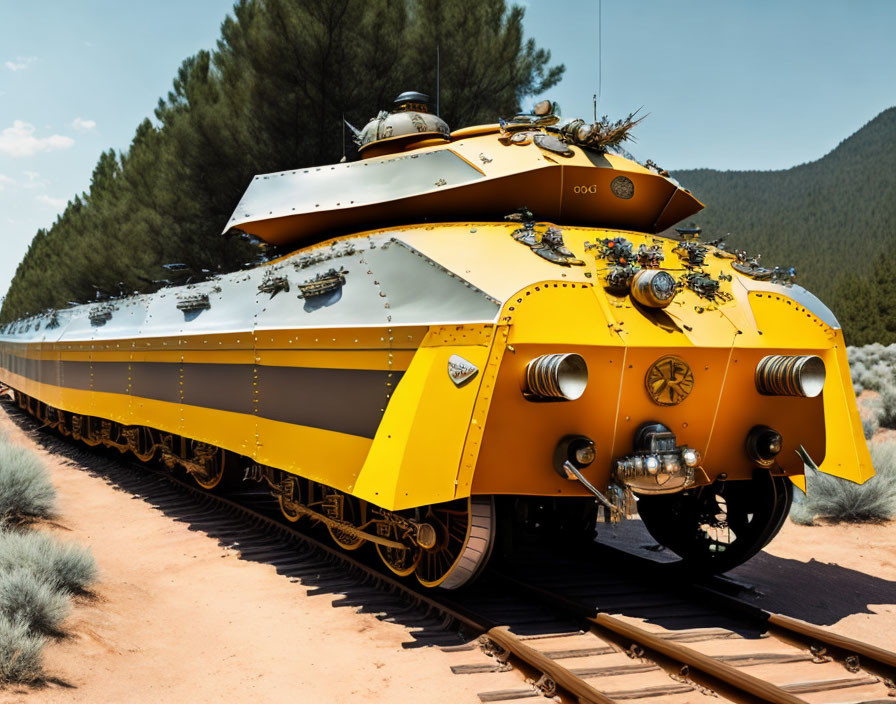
{"x":409,"y":123}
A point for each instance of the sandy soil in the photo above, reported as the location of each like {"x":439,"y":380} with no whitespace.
{"x":178,"y":618}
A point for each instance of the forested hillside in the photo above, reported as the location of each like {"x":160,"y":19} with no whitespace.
{"x":833,"y":219}
{"x":270,"y":97}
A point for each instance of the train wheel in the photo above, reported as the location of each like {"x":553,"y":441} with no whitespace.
{"x":717,"y":527}
{"x":401,"y":562}
{"x":350,"y":513}
{"x":290,"y":499}
{"x":464,"y":536}
{"x":211,"y":476}
{"x":63,"y":425}
{"x":88,"y":435}
{"x":146,"y":446}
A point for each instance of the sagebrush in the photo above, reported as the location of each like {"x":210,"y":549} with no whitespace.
{"x":26,"y":597}
{"x":20,"y":651}
{"x":873,"y":368}
{"x":26,"y":492}
{"x":68,"y":566}
{"x":842,"y":500}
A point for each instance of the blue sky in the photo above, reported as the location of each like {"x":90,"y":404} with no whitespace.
{"x":736,"y":84}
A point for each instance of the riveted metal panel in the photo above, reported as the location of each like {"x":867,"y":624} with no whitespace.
{"x":353,"y":184}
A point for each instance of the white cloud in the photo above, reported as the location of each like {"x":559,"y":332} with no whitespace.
{"x":19,"y":140}
{"x":6,"y":181}
{"x":83,"y":125}
{"x":57,"y":203}
{"x":33,"y":180}
{"x":20,"y":63}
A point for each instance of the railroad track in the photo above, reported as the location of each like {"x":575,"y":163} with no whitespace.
{"x":577,"y":631}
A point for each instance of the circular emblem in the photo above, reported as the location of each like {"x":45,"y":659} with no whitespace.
{"x":669,"y":381}
{"x":622,"y":187}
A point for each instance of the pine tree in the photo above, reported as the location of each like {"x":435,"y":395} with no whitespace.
{"x":270,"y":97}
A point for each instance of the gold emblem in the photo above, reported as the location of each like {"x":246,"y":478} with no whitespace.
{"x":669,"y":381}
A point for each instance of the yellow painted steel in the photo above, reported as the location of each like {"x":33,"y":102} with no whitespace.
{"x":437,"y":441}
{"x":415,"y":455}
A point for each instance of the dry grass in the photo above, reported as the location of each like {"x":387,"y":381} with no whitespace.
{"x":837,"y":499}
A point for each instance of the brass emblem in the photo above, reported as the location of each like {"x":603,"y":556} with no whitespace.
{"x":669,"y":381}
{"x":622,"y":187}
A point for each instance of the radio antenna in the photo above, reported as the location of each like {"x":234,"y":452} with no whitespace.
{"x":600,"y":51}
{"x":437,"y":80}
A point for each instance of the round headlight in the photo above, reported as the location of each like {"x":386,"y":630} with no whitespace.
{"x":584,"y":453}
{"x":573,"y":450}
{"x":690,"y":457}
{"x":764,"y":444}
{"x":560,"y":376}
{"x":653,"y":288}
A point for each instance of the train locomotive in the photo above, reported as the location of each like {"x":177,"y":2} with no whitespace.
{"x":475,"y":334}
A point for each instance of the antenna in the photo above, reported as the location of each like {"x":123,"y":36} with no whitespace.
{"x":343,"y":136}
{"x":600,"y":51}
{"x":437,"y":80}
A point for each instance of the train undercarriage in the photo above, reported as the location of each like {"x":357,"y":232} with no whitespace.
{"x":713,"y":528}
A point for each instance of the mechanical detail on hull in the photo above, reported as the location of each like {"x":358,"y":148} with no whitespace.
{"x":669,"y":381}
{"x":451,"y":373}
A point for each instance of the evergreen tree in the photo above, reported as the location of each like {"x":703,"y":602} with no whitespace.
{"x":270,"y":97}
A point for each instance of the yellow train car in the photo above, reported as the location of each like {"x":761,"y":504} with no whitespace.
{"x":421,"y":363}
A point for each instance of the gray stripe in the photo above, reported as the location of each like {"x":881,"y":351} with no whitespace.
{"x":227,"y":387}
{"x":73,"y":375}
{"x":348,"y":401}
{"x":159,"y":381}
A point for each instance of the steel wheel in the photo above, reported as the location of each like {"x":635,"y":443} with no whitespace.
{"x":401,"y":562}
{"x":464,"y":532}
{"x":212,"y":474}
{"x":290,"y":505}
{"x":717,"y":527}
{"x":351,"y":514}
{"x":146,"y":444}
{"x":87,"y":436}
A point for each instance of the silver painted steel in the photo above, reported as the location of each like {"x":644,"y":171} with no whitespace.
{"x":350,"y":185}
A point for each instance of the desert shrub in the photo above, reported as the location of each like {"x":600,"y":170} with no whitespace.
{"x":69,"y":567}
{"x":872,"y":366}
{"x":28,"y":598}
{"x":25,"y":488}
{"x":870,"y":425}
{"x":20,"y":651}
{"x":888,"y":402}
{"x":842,"y":500}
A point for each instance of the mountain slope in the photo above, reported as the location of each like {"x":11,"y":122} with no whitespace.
{"x":832,"y":219}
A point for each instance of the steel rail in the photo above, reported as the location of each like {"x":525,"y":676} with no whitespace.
{"x":501,"y":635}
{"x":574,"y":686}
{"x":880,"y":661}
{"x":883,"y":661}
